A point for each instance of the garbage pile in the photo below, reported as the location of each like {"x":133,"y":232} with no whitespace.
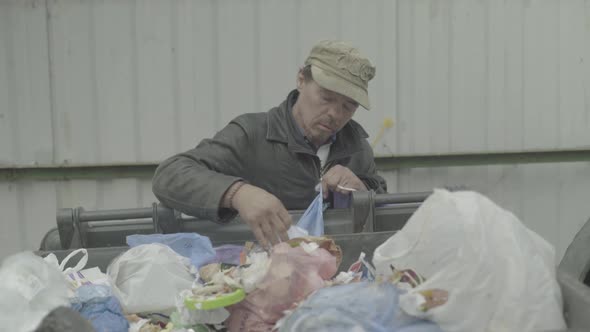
{"x":461,"y":263}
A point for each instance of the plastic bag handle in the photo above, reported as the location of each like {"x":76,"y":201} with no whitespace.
{"x":81,"y":263}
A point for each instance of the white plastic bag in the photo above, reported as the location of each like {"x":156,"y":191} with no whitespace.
{"x":77,"y":275}
{"x":196,"y":247}
{"x":30,"y":288}
{"x":147,"y":278}
{"x":52,"y":259}
{"x":295,"y":231}
{"x":250,"y":276}
{"x":500,"y":276}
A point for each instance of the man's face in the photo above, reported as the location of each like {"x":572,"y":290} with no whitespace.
{"x":321,"y":112}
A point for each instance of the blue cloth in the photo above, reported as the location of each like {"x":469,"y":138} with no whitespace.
{"x":97,"y":304}
{"x":312,"y":219}
{"x":362,"y":306}
{"x":196,"y":247}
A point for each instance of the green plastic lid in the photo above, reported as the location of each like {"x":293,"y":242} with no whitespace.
{"x":220,"y":301}
{"x":176,"y":322}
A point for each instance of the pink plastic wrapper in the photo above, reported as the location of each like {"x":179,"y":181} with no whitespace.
{"x":293,"y":275}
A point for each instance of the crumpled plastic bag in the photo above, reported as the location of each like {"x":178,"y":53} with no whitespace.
{"x":148,"y":277}
{"x":361,"y":306}
{"x":295,"y":231}
{"x":228,"y":254}
{"x":251,"y":275}
{"x":312,"y":219}
{"x":52,"y":259}
{"x":97,"y":304}
{"x":196,"y":247}
{"x":310,"y":243}
{"x":30,"y":288}
{"x":293,"y":275}
{"x":77,"y":275}
{"x":499,"y":275}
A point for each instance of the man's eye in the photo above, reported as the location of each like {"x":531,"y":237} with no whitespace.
{"x":349,"y":108}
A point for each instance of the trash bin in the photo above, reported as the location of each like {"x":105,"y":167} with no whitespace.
{"x":576,"y":295}
{"x":78,"y":228}
{"x":377,"y":216}
{"x":352,"y":245}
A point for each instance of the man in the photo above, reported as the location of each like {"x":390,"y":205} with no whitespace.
{"x":262,"y":164}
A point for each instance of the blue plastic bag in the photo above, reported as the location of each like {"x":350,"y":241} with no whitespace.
{"x":312,"y":219}
{"x":196,"y":247}
{"x":362,"y":306}
{"x":97,"y":304}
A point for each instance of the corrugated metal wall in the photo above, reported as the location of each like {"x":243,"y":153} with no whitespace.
{"x":108,"y":82}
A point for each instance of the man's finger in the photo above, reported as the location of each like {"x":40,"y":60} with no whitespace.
{"x":259,"y":236}
{"x":269,"y":232}
{"x":335,"y":180}
{"x":325,"y":188}
{"x":283,"y":235}
{"x":285,"y":222}
{"x":343,"y":190}
{"x":330,"y":183}
{"x":285,"y":218}
{"x":279,"y":223}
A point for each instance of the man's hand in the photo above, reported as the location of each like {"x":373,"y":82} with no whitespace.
{"x":266,"y":215}
{"x":341,"y":179}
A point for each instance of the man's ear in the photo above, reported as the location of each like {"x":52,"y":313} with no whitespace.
{"x":300,"y":81}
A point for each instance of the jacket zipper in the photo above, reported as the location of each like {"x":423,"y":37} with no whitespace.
{"x":321,"y":171}
{"x":317,"y":167}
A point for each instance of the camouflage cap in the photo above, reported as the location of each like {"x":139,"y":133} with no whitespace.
{"x":340,"y":67}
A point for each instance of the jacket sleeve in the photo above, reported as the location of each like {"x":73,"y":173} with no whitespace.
{"x":194,"y":182}
{"x":369,"y":176}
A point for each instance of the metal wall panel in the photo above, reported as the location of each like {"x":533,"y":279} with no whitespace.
{"x":492,"y":75}
{"x":135,"y":81}
{"x":107,"y":82}
{"x":26,"y":135}
{"x":29,"y":207}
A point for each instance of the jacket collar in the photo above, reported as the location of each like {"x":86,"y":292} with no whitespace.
{"x":281,"y":128}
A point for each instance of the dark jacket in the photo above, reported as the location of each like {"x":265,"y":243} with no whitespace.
{"x":264,"y":150}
